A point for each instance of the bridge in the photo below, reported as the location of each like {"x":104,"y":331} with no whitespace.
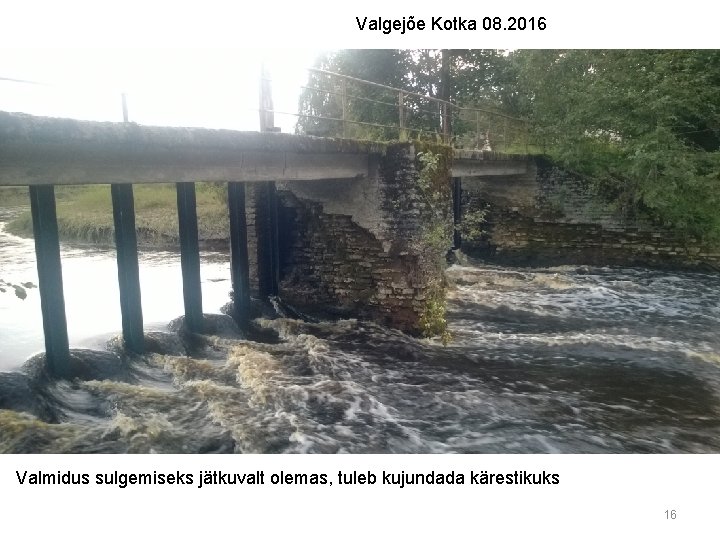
{"x":41,"y":152}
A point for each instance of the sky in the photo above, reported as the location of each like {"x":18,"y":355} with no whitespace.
{"x":216,"y":88}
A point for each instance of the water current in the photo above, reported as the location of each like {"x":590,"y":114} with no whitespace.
{"x":563,"y":359}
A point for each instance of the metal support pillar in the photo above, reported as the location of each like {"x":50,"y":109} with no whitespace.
{"x":457,"y":211}
{"x":127,"y":263}
{"x":268,"y":247}
{"x":190,"y":256}
{"x":52,"y":301}
{"x":239,"y":267}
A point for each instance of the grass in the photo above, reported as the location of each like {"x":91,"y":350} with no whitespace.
{"x":12,"y":196}
{"x":85,"y":214}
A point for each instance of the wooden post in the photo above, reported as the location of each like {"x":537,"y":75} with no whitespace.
{"x":239,"y":267}
{"x":267,"y":116}
{"x":127,"y":263}
{"x":477,"y":130}
{"x":344,"y":108}
{"x":49,"y":267}
{"x":190,"y":256}
{"x":457,"y":211}
{"x":445,"y":92}
{"x":124,"y":107}
{"x":505,"y":143}
{"x":526,"y":137}
{"x":401,"y":111}
{"x":445,"y":124}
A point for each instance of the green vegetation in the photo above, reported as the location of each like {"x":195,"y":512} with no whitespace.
{"x":85,"y":214}
{"x":436,"y":238}
{"x":471,"y":78}
{"x":433,"y":321}
{"x":12,"y":197}
{"x":433,"y":163}
{"x":472,"y":226}
{"x":643,"y":125}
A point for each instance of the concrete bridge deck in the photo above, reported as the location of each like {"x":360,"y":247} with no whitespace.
{"x":39,"y":150}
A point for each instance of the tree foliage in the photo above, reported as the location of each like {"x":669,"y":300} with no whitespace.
{"x":643,"y":124}
{"x":462,"y":76}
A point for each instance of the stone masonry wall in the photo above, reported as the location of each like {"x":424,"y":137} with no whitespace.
{"x":367,"y":247}
{"x":550,"y":216}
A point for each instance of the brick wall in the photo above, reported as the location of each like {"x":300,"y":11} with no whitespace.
{"x":360,"y":247}
{"x":551,"y":216}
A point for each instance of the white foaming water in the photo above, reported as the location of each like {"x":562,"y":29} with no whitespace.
{"x":92,"y":301}
{"x":563,"y":359}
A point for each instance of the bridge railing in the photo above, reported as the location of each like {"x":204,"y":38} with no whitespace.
{"x":337,"y":105}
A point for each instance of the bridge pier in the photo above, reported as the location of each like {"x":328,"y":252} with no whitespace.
{"x":128,"y":271}
{"x":239,"y":264}
{"x":190,"y":256}
{"x":268,"y":257}
{"x":49,"y":267}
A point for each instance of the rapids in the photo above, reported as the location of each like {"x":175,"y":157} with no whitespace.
{"x":564,"y":359}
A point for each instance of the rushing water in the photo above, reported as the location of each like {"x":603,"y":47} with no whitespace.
{"x":92,"y":300}
{"x":566,"y":359}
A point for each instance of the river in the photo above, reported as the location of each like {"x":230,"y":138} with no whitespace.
{"x":564,"y":359}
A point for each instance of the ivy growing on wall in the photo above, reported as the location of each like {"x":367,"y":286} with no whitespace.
{"x":433,"y":164}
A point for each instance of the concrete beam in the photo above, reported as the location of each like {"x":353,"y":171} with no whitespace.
{"x":478,"y":163}
{"x":487,"y":155}
{"x":464,"y":168}
{"x":38,"y":150}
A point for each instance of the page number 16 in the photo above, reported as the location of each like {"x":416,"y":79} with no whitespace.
{"x":670,"y":514}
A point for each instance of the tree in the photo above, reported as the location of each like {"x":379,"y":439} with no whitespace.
{"x":467,"y":77}
{"x":321,"y":103}
{"x":643,"y":124}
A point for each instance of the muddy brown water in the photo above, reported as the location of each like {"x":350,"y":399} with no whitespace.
{"x":564,"y":359}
